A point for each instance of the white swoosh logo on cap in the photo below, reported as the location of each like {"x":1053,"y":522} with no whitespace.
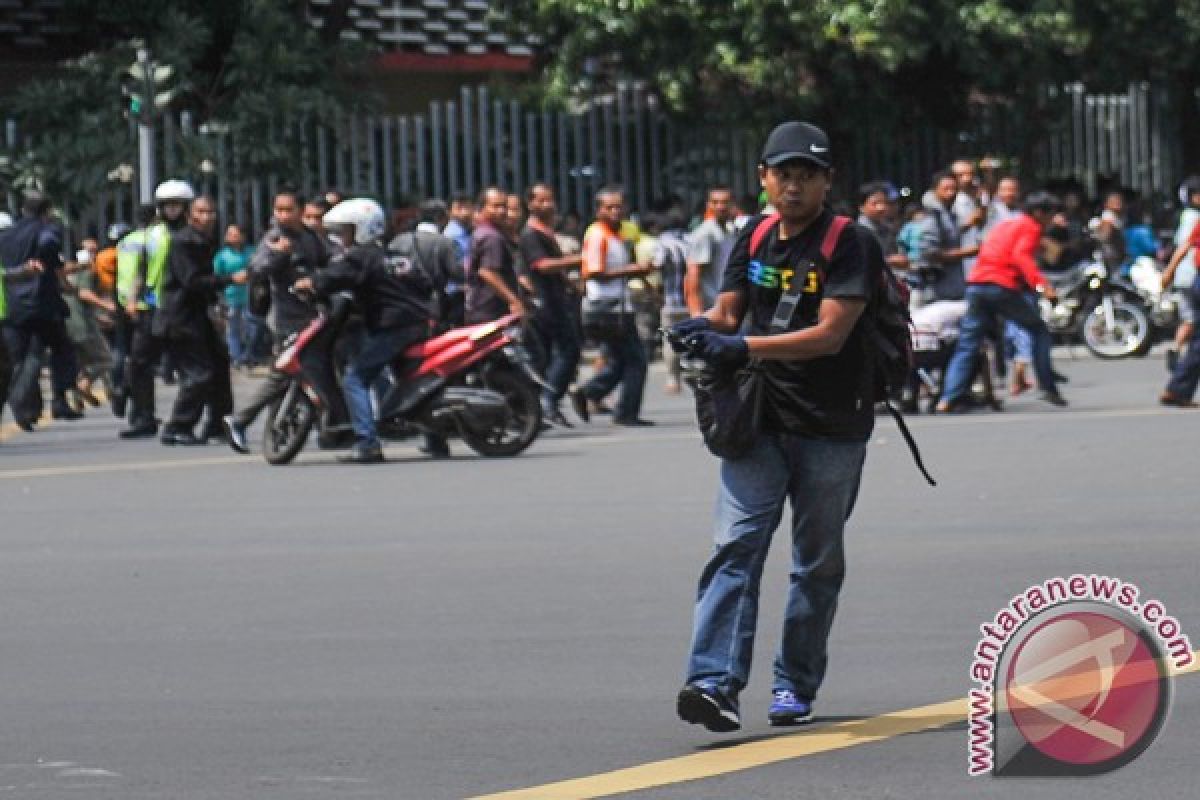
{"x":816,"y":149}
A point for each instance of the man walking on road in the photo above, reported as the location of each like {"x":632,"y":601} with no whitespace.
{"x":37,"y":312}
{"x":810,"y":447}
{"x":607,"y":266}
{"x":548,"y":270}
{"x":190,"y":288}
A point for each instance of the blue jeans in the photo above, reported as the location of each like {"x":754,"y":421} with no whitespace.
{"x":1019,"y":339}
{"x":237,"y":327}
{"x":1187,"y":372}
{"x":379,"y":349}
{"x":985,"y":302}
{"x":624,"y":363}
{"x":820,"y":479}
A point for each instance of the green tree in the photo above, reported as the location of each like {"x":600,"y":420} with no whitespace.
{"x":246,"y":64}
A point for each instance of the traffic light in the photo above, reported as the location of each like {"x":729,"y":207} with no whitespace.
{"x":147,"y":89}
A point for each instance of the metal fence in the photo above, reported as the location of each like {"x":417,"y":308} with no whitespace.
{"x":476,"y":140}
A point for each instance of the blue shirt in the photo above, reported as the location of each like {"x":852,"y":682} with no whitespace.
{"x":228,"y":261}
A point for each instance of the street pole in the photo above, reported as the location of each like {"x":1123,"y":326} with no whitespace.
{"x":146,"y":131}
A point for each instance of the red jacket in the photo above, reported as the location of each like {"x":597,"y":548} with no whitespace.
{"x":1008,"y":256}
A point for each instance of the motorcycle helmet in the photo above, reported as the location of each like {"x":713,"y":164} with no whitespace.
{"x":174,"y":190}
{"x":118,"y":231}
{"x":363,"y":214}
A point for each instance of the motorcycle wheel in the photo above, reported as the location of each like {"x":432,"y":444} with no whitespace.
{"x":289,"y":421}
{"x":524,"y":421}
{"x":1129,"y":335}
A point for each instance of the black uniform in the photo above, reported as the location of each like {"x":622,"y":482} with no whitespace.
{"x":189,"y":289}
{"x":395,"y":295}
{"x":288,"y":315}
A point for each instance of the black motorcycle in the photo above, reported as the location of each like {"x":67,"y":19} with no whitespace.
{"x":1104,"y":310}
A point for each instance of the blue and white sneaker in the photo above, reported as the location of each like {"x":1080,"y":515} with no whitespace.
{"x":701,"y":704}
{"x":788,"y":709}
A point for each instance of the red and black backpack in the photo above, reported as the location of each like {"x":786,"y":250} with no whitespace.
{"x":886,"y":320}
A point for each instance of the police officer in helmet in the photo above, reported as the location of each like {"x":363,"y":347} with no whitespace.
{"x":172,"y":198}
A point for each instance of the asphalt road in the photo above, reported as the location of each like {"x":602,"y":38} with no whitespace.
{"x":187,"y":623}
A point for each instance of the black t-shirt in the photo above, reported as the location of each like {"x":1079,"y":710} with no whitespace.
{"x":829,"y":397}
{"x":551,"y":286}
{"x":489,"y":250}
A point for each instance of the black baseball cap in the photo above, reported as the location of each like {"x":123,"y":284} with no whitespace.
{"x":797,"y":140}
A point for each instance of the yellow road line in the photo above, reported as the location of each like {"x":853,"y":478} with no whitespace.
{"x":736,"y":758}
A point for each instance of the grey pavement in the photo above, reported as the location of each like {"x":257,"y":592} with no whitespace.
{"x":187,"y":623}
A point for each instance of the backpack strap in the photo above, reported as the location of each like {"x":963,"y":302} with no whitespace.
{"x":910,"y":441}
{"x":829,"y":243}
{"x":764,"y":226}
{"x":791,"y":298}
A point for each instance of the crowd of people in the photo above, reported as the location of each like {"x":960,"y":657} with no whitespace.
{"x":142,"y":304}
{"x":164,"y":300}
{"x":978,"y":257}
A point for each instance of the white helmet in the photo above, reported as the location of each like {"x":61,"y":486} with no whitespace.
{"x":174,"y":190}
{"x":6,"y":220}
{"x":363,"y":213}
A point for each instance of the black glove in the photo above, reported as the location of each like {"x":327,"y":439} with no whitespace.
{"x":681,"y":332}
{"x":719,"y":349}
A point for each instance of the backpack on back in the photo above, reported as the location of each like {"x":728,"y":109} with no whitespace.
{"x":887,"y":325}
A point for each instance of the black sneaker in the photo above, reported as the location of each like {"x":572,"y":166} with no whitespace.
{"x":141,"y":431}
{"x":434,"y":447}
{"x":700,"y":704}
{"x":1055,"y":399}
{"x":181,"y":439}
{"x":636,"y":422}
{"x":120,"y":400}
{"x":64,"y":411}
{"x":579,"y":402}
{"x":236,"y":434}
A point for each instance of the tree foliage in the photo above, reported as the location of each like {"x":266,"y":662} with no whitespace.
{"x":856,"y":62}
{"x":241,"y":65}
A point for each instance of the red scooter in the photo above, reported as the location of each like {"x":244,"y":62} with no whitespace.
{"x":476,"y":382}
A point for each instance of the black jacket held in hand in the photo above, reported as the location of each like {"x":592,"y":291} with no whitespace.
{"x":392,"y":292}
{"x":190,"y":287}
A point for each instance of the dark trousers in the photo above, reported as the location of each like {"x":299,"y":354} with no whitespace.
{"x":122,"y":333}
{"x":317,"y":363}
{"x":1186,"y":376}
{"x":32,"y":336}
{"x":561,"y":340}
{"x":202,"y":363}
{"x":145,"y":353}
{"x":6,"y":371}
{"x":624,"y":364}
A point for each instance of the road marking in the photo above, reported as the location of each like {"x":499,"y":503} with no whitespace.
{"x":600,"y":437}
{"x":129,"y":466}
{"x":736,"y":758}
